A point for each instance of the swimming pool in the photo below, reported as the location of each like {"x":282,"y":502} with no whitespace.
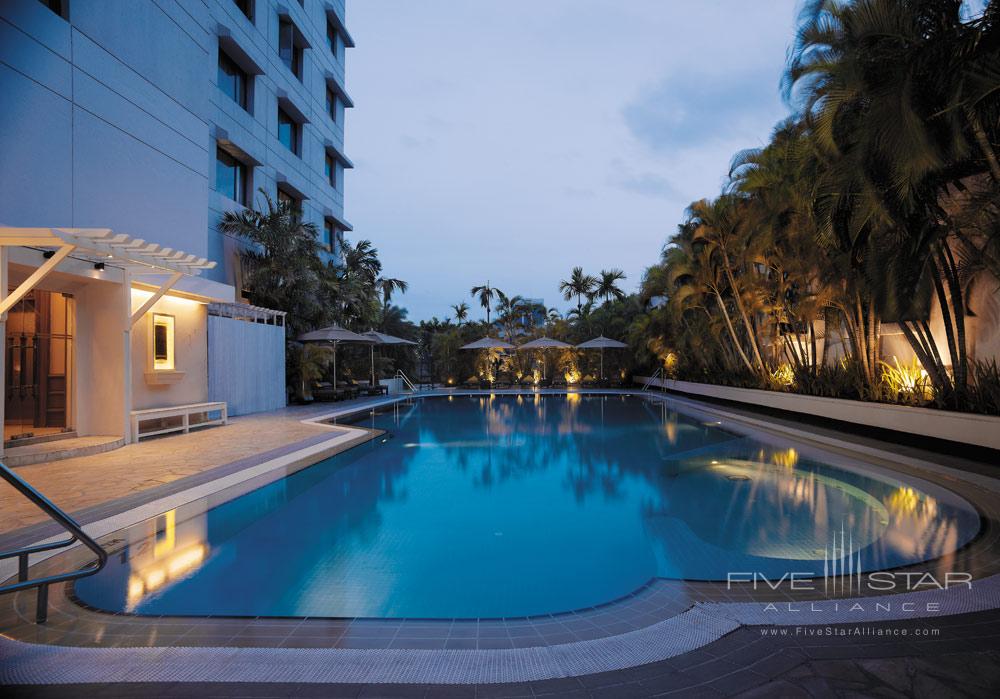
{"x":503,"y":506}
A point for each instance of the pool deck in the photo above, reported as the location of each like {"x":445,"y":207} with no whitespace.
{"x":667,"y":636}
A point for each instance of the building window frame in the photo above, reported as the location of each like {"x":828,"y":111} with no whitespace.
{"x":330,"y":168}
{"x":329,"y":234}
{"x":331,"y":104}
{"x":59,"y":7}
{"x":291,"y":48}
{"x":286,"y":122}
{"x":246,"y":8}
{"x":231,"y":71}
{"x":293,"y":200}
{"x":333,"y":39}
{"x":240,"y":189}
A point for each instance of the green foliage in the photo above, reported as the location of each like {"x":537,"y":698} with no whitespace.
{"x":876,"y":202}
{"x":283,"y":269}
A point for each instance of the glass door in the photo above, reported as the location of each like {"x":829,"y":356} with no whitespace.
{"x":39,"y":366}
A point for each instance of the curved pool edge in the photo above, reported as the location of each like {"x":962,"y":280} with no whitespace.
{"x":700,"y":624}
{"x":34,"y":664}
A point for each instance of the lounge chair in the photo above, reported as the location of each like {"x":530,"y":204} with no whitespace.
{"x":323,"y":391}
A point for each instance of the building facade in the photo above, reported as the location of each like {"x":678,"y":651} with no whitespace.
{"x":129,"y":127}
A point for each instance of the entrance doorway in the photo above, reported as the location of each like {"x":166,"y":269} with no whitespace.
{"x":39,"y":346}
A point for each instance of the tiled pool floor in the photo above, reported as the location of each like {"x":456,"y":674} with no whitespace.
{"x":70,"y":624}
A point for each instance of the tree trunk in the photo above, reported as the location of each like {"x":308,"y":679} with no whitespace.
{"x":732,"y":332}
{"x":751,"y":333}
{"x":983,"y":142}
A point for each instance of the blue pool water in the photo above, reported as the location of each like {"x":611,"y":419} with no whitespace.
{"x":510,"y":506}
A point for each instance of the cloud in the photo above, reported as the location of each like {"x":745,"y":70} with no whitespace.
{"x":579,"y":192}
{"x":649,"y":184}
{"x":687,"y":109}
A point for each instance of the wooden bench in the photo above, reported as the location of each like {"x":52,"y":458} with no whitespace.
{"x":184,"y":412}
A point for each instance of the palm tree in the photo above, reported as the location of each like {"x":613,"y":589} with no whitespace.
{"x":281,"y":266}
{"x":607,"y":285}
{"x":388,"y":286}
{"x":901,"y":96}
{"x":579,"y":285}
{"x":485,"y":294}
{"x":461,"y":312}
{"x":361,"y":261}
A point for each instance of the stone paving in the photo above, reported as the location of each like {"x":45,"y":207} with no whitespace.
{"x":77,"y":483}
{"x":960,"y":659}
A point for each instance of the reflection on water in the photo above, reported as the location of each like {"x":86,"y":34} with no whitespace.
{"x":495,"y":505}
{"x":162,"y":552}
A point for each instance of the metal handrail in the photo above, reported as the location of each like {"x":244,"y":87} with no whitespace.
{"x":406,"y":380}
{"x":651,"y":379}
{"x":22,"y":554}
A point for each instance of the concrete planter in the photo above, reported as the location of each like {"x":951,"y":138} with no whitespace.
{"x":965,"y":428}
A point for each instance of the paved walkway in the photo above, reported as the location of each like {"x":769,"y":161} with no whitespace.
{"x":960,"y":659}
{"x":82,"y":482}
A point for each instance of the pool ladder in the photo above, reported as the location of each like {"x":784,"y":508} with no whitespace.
{"x":23,"y":554}
{"x":658,"y":374}
{"x":406,"y":380}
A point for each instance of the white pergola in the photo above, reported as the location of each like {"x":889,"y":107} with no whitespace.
{"x":134,"y":256}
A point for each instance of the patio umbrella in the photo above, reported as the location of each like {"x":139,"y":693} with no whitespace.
{"x":334,"y":335}
{"x":544,"y":343}
{"x":378,"y":338}
{"x":488,"y":343}
{"x":602,"y":343}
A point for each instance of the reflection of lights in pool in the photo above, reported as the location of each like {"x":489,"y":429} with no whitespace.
{"x":738,"y":477}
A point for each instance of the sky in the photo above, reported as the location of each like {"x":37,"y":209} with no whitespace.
{"x":511,"y":141}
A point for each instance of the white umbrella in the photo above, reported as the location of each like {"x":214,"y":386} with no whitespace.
{"x":334,"y":335}
{"x":378,"y":338}
{"x":602,"y":343}
{"x":488,"y":343}
{"x":544,"y":343}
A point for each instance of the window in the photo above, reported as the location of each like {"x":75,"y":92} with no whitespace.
{"x":333,"y":236}
{"x":233,"y":80}
{"x":294,"y":202}
{"x":331,"y":170}
{"x":246,"y":7}
{"x":230,"y":176}
{"x":331,"y":38}
{"x":329,"y":234}
{"x":60,"y":7}
{"x":331,"y":104}
{"x":289,"y":132}
{"x":163,"y":342}
{"x":290,"y":47}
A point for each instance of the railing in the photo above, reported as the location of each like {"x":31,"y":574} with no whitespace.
{"x":405,"y":379}
{"x":22,"y":555}
{"x":649,"y":382}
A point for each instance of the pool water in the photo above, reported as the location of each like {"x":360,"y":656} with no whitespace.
{"x":500,"y":506}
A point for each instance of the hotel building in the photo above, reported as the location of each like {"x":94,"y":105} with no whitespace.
{"x":128,"y":128}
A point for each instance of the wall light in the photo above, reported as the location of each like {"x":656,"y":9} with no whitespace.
{"x":99,"y":266}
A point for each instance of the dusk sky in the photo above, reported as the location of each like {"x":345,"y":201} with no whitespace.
{"x":513,"y":140}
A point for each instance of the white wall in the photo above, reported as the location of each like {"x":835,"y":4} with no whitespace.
{"x":251,"y":379}
{"x":190,"y":354}
{"x":100,"y":356}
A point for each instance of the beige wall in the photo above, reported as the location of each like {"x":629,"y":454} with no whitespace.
{"x":100,"y":356}
{"x":190,"y":353}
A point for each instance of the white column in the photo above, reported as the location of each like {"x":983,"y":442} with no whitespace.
{"x":126,"y":316}
{"x":3,"y":341}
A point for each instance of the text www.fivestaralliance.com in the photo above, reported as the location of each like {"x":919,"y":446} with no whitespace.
{"x":869,"y":631}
